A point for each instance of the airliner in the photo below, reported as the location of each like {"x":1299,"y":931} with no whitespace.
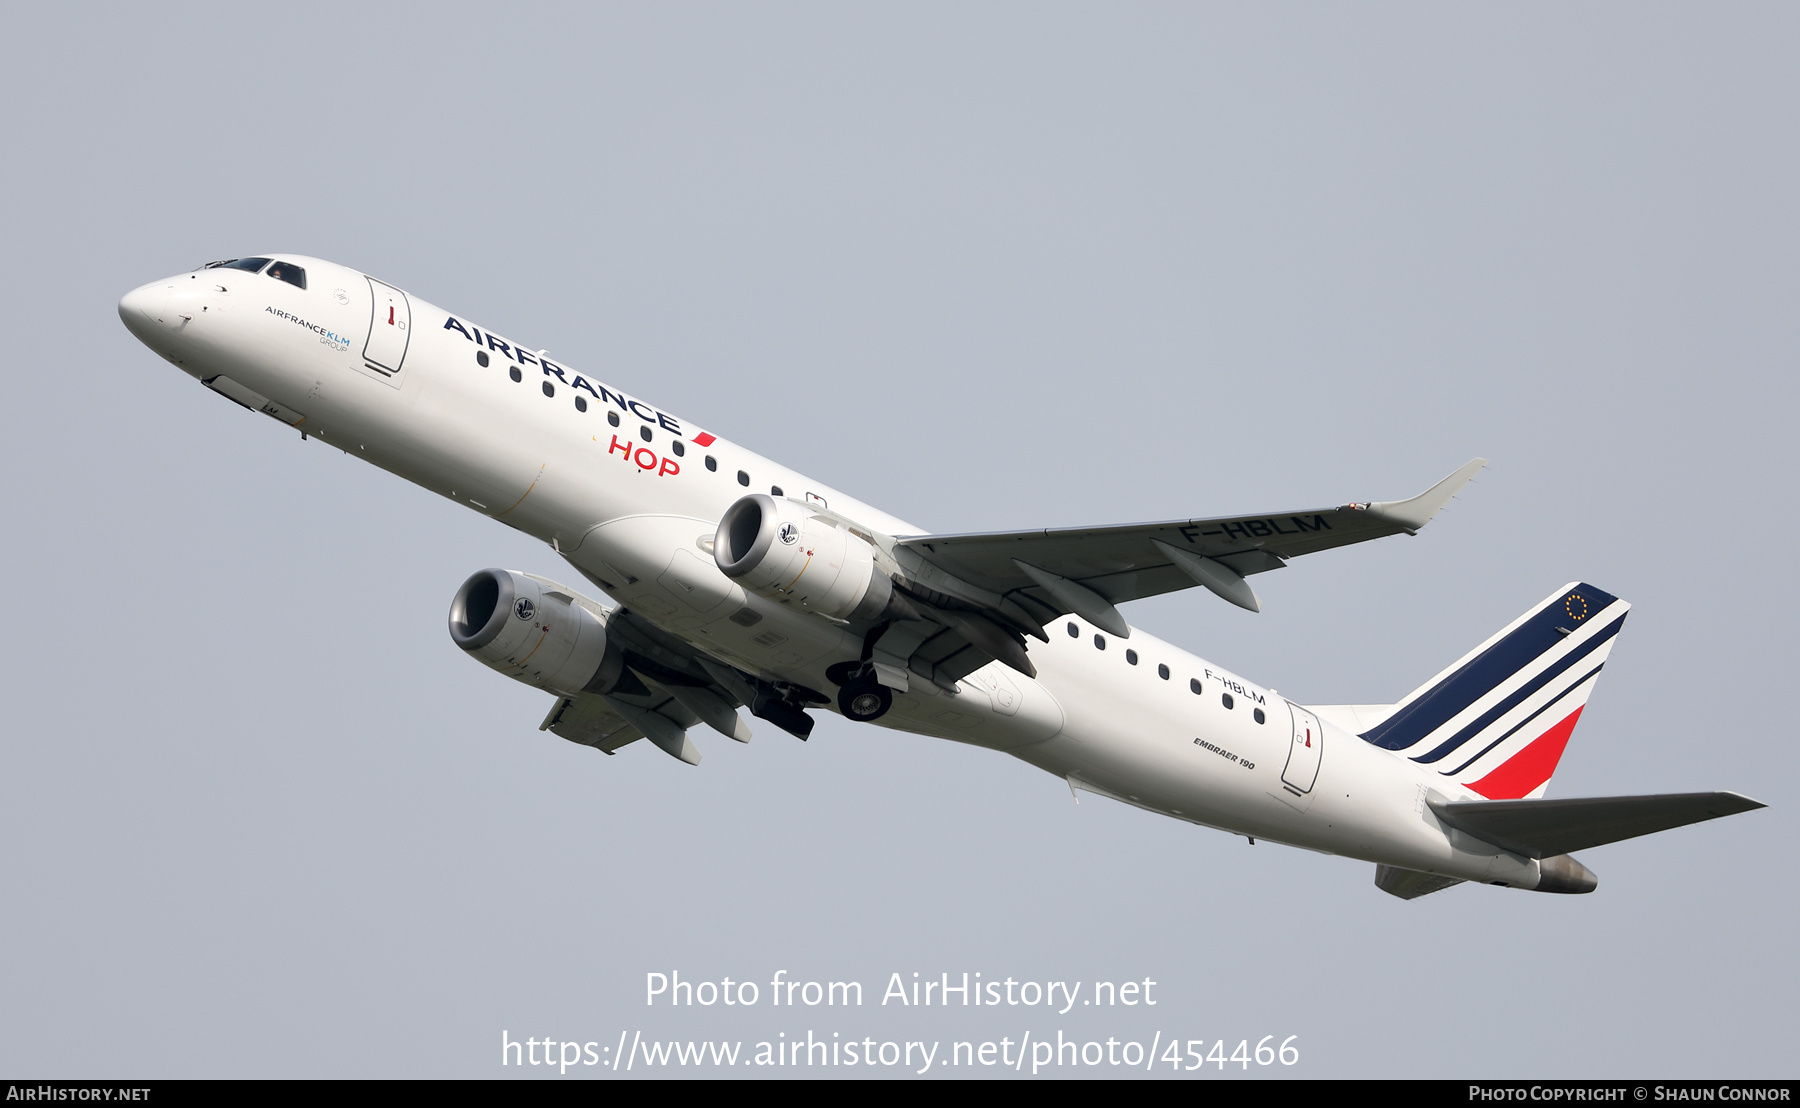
{"x":736,"y":582}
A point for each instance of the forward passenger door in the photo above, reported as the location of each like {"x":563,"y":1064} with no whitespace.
{"x":390,"y":326}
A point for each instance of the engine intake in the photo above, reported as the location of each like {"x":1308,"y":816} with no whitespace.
{"x":779,"y":549}
{"x":535,"y":632}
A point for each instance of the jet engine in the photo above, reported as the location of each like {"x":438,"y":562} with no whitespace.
{"x":535,"y":633}
{"x":779,"y":549}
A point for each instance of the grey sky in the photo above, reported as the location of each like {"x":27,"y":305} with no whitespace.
{"x":985,"y":266}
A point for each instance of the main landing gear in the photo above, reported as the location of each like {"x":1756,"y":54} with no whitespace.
{"x":865,"y":701}
{"x":860,"y":697}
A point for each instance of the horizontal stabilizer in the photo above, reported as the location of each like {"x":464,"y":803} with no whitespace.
{"x":1410,"y":884}
{"x":1544,"y":828}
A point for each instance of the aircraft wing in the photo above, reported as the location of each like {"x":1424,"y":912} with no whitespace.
{"x":1087,"y":571}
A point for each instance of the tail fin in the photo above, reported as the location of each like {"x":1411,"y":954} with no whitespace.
{"x":1497,"y":721}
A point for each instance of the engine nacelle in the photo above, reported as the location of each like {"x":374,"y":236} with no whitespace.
{"x":533,"y":632}
{"x":778,"y":549}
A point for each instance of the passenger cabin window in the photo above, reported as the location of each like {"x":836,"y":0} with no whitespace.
{"x":612,"y":418}
{"x":1260,"y":718}
{"x":774,"y":490}
{"x":1162,"y":672}
{"x":549,"y":389}
{"x":743,"y":478}
{"x":678,"y":448}
{"x":1099,"y":642}
{"x":481,"y":358}
{"x":1194,"y":685}
{"x":580,"y":403}
{"x":1074,"y":631}
{"x":644,"y":433}
{"x":292,"y":274}
{"x":514,"y":374}
{"x":253,"y":265}
{"x":712,"y":463}
{"x":1131,"y":657}
{"x":1225,"y":699}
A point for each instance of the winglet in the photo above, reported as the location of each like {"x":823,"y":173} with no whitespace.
{"x":1417,"y":512}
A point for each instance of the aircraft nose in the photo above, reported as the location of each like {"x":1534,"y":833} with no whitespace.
{"x":140,"y":308}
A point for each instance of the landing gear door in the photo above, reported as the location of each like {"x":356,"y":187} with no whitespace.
{"x":390,"y":328}
{"x":1302,"y":768}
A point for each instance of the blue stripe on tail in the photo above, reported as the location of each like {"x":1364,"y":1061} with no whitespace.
{"x":1518,"y":696}
{"x":1559,"y":702}
{"x":1489,"y":669}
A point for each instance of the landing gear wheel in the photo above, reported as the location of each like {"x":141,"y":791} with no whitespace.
{"x":865,"y":701}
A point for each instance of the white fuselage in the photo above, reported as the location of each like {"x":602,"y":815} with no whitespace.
{"x":634,"y":506}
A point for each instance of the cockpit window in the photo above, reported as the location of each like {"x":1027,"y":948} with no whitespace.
{"x":254,"y":265}
{"x":287,"y":271}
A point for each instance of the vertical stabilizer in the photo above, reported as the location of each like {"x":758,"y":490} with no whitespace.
{"x":1498,"y":720}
